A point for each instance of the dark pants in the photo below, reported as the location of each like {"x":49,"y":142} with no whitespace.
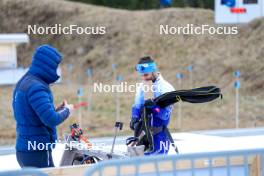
{"x":39,"y":159}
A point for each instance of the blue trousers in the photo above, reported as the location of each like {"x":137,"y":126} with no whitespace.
{"x":161,"y":144}
{"x":39,"y":159}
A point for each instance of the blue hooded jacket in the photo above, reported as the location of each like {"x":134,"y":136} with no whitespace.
{"x":34,"y":112}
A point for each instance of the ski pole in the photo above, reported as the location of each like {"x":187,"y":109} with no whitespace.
{"x":237,"y":86}
{"x":89,"y":73}
{"x":118,"y":127}
{"x":179,"y":120}
{"x":80,"y":93}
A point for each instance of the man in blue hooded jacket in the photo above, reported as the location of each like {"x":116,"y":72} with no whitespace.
{"x":34,"y":111}
{"x":160,"y":119}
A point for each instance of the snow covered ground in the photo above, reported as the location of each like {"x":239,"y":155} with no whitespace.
{"x":187,"y":142}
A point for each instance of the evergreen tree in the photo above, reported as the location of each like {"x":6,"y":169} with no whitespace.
{"x":149,"y":4}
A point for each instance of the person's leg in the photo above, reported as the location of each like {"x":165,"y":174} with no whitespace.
{"x":50,"y":164}
{"x":161,"y":144}
{"x":39,"y":159}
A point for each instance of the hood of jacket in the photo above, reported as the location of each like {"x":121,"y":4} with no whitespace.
{"x":45,"y":62}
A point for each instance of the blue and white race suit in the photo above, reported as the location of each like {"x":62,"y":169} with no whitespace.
{"x":158,"y":119}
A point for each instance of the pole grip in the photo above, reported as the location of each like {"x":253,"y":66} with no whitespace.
{"x":119,"y":125}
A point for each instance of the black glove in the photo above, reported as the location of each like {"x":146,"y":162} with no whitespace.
{"x":149,"y":103}
{"x":133,"y":123}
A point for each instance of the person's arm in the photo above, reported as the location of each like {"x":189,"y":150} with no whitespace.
{"x":162,"y":113}
{"x":157,"y":111}
{"x":39,"y":99}
{"x":139,"y":102}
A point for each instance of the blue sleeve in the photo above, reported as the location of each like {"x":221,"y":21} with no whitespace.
{"x":39,"y":99}
{"x":135,"y":112}
{"x":139,"y":102}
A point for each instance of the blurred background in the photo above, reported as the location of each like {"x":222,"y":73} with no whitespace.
{"x":132,"y":31}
